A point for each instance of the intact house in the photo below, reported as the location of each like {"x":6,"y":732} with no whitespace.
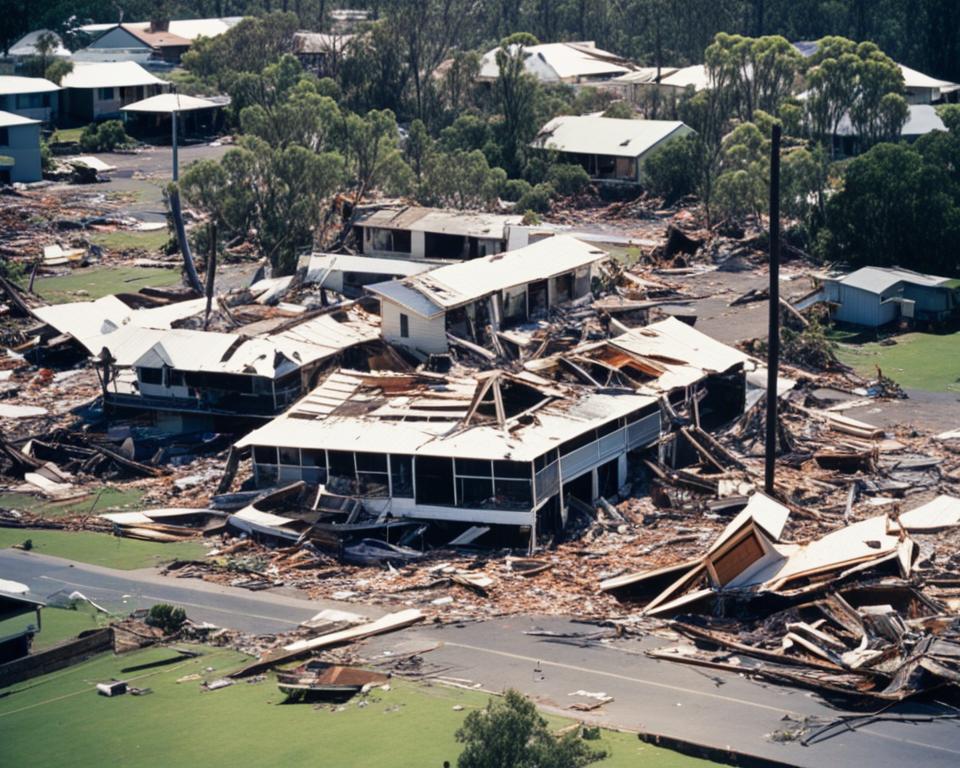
{"x":609,"y":149}
{"x":571,"y":63}
{"x":493,"y":448}
{"x":33,"y":97}
{"x":188,"y":29}
{"x":19,"y":149}
{"x":26,"y":49}
{"x":437,"y":234}
{"x":877,"y":296}
{"x":154,"y":46}
{"x":472,"y":300}
{"x":96,"y":92}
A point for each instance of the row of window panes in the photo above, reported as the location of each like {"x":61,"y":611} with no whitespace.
{"x":364,"y":473}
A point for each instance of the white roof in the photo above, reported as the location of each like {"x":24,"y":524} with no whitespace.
{"x":189,"y":29}
{"x":169,"y":103}
{"x":560,"y":61}
{"x":880,"y":279}
{"x":89,"y":321}
{"x":914,"y":79}
{"x":441,"y":221}
{"x":457,"y":284}
{"x":272,"y":355}
{"x":645,"y":75}
{"x":685,"y":354}
{"x":11,"y":85}
{"x":312,"y":424}
{"x":109,"y":74}
{"x":617,"y":137}
{"x":8,"y":120}
{"x":27,"y":45}
{"x":338,"y":262}
{"x":686,"y":77}
{"x":921,"y":120}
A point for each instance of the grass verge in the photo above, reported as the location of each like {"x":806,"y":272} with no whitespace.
{"x":926,"y":361}
{"x":102,"y":548}
{"x":246,"y":724}
{"x":109,"y":499}
{"x":97,"y":282}
{"x":123,"y":240}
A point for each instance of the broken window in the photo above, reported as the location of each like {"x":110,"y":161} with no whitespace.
{"x":341,"y":472}
{"x":474,"y":482}
{"x":563,"y":288}
{"x":373,"y":478}
{"x":404,"y":326}
{"x":264,"y":454}
{"x":515,"y":304}
{"x":290,"y":456}
{"x":401,"y":476}
{"x":539,"y":299}
{"x":434,"y":480}
{"x":314,"y":464}
{"x":512,"y":485}
{"x":151,"y":376}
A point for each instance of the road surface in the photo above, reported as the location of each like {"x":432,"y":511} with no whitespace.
{"x":719,"y":709}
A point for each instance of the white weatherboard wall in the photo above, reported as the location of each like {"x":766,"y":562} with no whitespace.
{"x":428,"y":336}
{"x":22,"y":143}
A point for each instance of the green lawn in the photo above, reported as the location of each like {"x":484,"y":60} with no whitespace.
{"x":58,"y":719}
{"x":56,"y":624}
{"x":102,"y":548}
{"x":67,"y":134}
{"x":925,"y":361}
{"x":124,"y":240}
{"x":625,"y":255}
{"x":102,"y":281}
{"x":109,"y":499}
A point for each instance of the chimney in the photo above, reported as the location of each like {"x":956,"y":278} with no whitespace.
{"x":159,"y":25}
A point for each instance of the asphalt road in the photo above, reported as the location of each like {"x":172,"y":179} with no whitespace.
{"x":720,"y":709}
{"x":125,"y":591}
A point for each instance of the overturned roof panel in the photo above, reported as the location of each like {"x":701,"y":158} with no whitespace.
{"x":561,"y":61}
{"x":615,"y":137}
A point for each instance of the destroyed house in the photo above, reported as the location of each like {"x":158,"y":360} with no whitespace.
{"x":609,"y":149}
{"x":473,"y":300}
{"x":495,"y":448}
{"x":572,"y":63}
{"x":667,"y":359}
{"x":202,"y":372}
{"x":436,"y":234}
{"x":876,"y":296}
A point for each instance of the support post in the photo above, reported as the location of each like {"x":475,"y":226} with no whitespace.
{"x":773,"y":337}
{"x":173,"y":140}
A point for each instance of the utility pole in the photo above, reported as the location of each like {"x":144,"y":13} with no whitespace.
{"x":773,"y":337}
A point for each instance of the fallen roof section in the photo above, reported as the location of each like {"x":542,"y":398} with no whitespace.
{"x":440,"y":221}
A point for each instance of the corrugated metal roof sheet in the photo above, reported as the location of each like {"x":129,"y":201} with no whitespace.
{"x":586,"y":134}
{"x":399,"y":293}
{"x":320,"y":263}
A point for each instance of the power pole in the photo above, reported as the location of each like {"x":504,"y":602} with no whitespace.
{"x":773,"y":337}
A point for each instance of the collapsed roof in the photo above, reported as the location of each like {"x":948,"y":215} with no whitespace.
{"x":494,"y":415}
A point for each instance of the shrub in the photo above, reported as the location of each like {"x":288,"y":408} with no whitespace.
{"x":104,"y":137}
{"x":537,"y":199}
{"x":568,"y":179}
{"x":166,"y":617}
{"x":514,"y":189}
